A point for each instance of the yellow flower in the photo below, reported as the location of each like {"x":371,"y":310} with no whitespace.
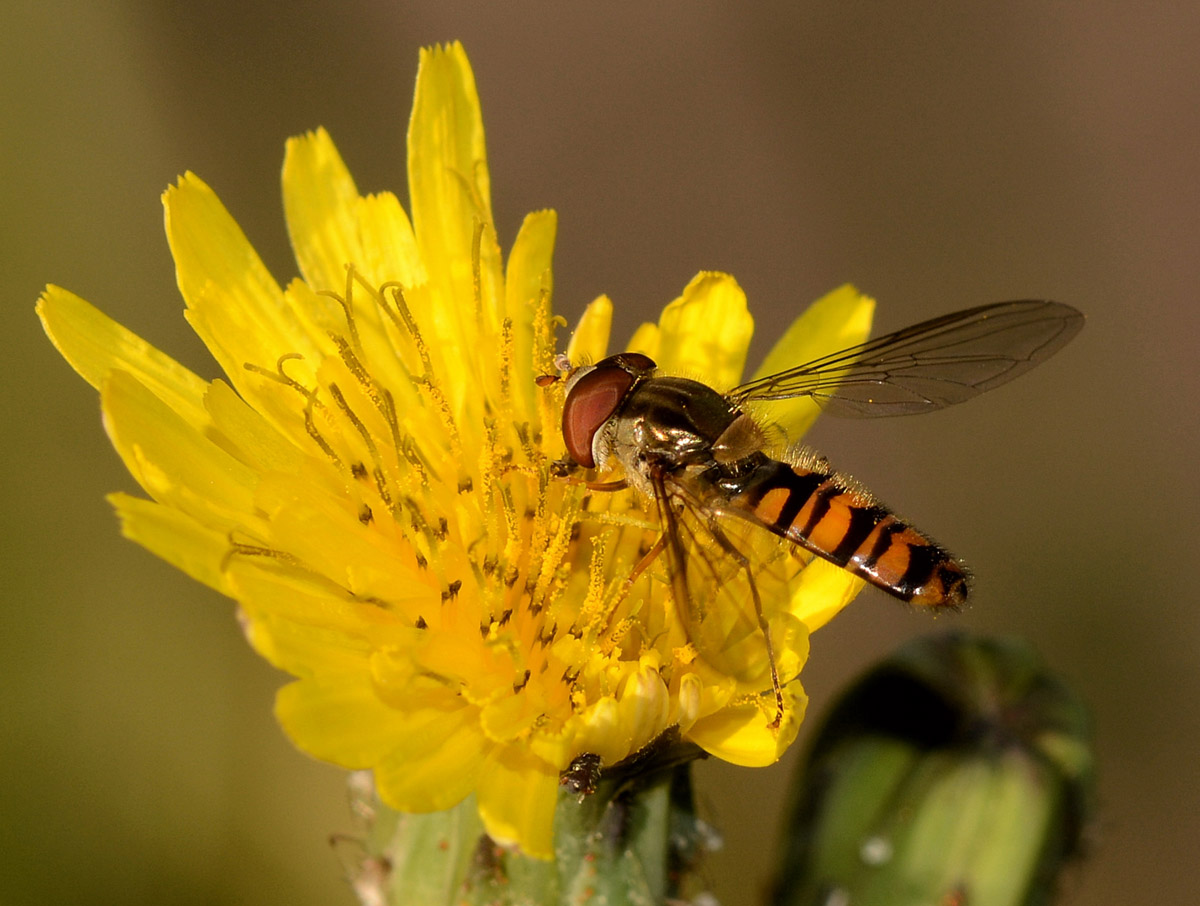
{"x":372,"y":484}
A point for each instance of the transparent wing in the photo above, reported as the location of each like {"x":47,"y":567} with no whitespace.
{"x":928,"y":366}
{"x":713,"y":591}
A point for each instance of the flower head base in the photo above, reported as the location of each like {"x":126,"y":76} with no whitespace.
{"x":373,"y":486}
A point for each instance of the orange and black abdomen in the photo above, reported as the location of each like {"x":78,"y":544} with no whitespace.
{"x":825,"y":515}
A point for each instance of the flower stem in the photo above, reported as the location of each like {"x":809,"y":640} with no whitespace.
{"x":627,"y":838}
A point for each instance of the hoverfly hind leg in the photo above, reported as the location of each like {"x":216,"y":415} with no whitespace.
{"x":743,"y":563}
{"x":776,"y":687}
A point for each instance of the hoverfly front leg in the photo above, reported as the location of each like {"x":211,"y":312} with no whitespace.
{"x":564,"y":469}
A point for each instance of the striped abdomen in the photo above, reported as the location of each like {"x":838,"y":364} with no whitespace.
{"x":825,"y":514}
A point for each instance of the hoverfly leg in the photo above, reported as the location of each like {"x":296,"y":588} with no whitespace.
{"x":640,"y":567}
{"x":744,"y":562}
{"x":564,"y":470}
{"x":619,"y":485}
{"x":644,"y":564}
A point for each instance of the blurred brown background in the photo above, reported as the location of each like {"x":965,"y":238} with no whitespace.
{"x":939,"y":157}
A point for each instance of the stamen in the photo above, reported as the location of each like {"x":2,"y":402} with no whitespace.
{"x":507,"y":356}
{"x":373,"y":600}
{"x":593,"y":606}
{"x":425,"y":540}
{"x":381,"y":484}
{"x":477,"y":270}
{"x":380,"y":396}
{"x":613,"y":639}
{"x":347,"y":305}
{"x":403,"y":320}
{"x":512,"y":528}
{"x":549,"y":402}
{"x":487,"y":491}
{"x":279,"y":375}
{"x":621,"y":520}
{"x":353,"y":363}
{"x":556,"y":551}
{"x":406,"y":448}
{"x":239,"y":548}
{"x":535,"y":455}
{"x":311,"y":427}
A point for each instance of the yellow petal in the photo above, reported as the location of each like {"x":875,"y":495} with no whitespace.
{"x":740,"y":734}
{"x":790,"y":638}
{"x":234,"y":305}
{"x":706,"y":331}
{"x":517,"y":795}
{"x":241,"y":431}
{"x":597,"y":733}
{"x":172,"y":460}
{"x":265,"y":586}
{"x":821,"y":591}
{"x":834,"y":322}
{"x":389,"y":246}
{"x":303,"y":649}
{"x":436,"y":761}
{"x":589,"y":341}
{"x":451,"y":197}
{"x":320,"y":203}
{"x":299,"y":623}
{"x":95,"y":345}
{"x":509,"y":717}
{"x":646,"y":340}
{"x":370,"y":563}
{"x":340,"y":718}
{"x":179,"y":539}
{"x":447,"y":157}
{"x":528,"y":284}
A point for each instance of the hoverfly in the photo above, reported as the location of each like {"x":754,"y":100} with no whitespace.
{"x":699,"y":454}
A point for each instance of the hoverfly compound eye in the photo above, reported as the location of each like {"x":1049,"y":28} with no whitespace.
{"x":593,"y":397}
{"x":592,"y":400}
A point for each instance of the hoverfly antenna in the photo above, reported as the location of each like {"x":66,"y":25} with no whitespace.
{"x":563,"y":366}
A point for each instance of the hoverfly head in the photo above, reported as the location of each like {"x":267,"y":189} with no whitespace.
{"x":594,"y":394}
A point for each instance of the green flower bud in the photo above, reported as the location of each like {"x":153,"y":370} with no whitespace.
{"x":959,"y":771}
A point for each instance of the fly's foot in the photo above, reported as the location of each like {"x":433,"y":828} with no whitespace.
{"x":563,"y":468}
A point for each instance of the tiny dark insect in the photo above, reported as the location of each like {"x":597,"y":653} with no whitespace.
{"x":698,"y":454}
